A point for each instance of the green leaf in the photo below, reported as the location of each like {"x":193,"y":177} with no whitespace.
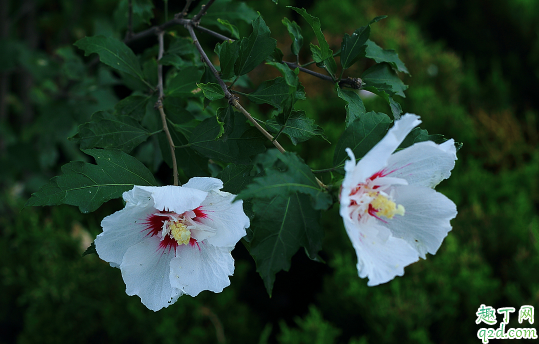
{"x":361,"y":135}
{"x":237,"y":144}
{"x":354,"y":105}
{"x":383,"y":77}
{"x":186,"y":128}
{"x":228,"y":54}
{"x":375,"y":52}
{"x":282,"y":225}
{"x":227,"y":10}
{"x":420,"y":135}
{"x":395,"y":107}
{"x":212,"y":91}
{"x":295,"y":33}
{"x":290,"y":76}
{"x":285,"y":173}
{"x":149,"y":70}
{"x":111,"y":132}
{"x":255,"y":48}
{"x":353,"y":47}
{"x":236,"y":178}
{"x":113,"y":53}
{"x":322,"y":54}
{"x":314,"y":22}
{"x":276,"y":56}
{"x":133,"y":106}
{"x":377,"y":19}
{"x":181,"y":46}
{"x":87,"y":186}
{"x":297,"y":127}
{"x":225,"y":25}
{"x":184,"y":82}
{"x":273,"y":92}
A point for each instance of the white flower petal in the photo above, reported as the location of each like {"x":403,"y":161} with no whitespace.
{"x":201,"y":267}
{"x":145,"y":270}
{"x":175,"y":198}
{"x":424,"y":163}
{"x":204,"y":183}
{"x":426,"y":220}
{"x":124,"y":228}
{"x":376,"y":159}
{"x":226,"y":218}
{"x":380,"y":256}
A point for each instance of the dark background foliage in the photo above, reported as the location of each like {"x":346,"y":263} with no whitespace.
{"x":475,"y":70}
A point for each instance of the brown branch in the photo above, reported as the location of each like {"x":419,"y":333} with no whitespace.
{"x":231,"y":99}
{"x":203,"y":10}
{"x":159,"y":106}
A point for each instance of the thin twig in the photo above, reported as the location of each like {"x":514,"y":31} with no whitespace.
{"x":159,"y":106}
{"x":213,"y":33}
{"x":160,"y":37}
{"x":185,"y":10}
{"x":203,"y":10}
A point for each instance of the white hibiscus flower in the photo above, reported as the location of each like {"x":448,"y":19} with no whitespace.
{"x":173,"y":240}
{"x":390,"y":210}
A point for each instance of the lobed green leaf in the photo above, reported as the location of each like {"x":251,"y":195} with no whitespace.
{"x":294,"y":30}
{"x":110,"y":131}
{"x":184,"y":82}
{"x":354,"y":105}
{"x":228,"y":54}
{"x":282,"y":225}
{"x":297,"y":127}
{"x":113,"y":53}
{"x":353,"y":47}
{"x":133,"y":106}
{"x":285,"y":173}
{"x":253,"y":50}
{"x":375,"y":52}
{"x":273,"y":92}
{"x":87,"y":186}
{"x":212,"y":91}
{"x":382,"y":77}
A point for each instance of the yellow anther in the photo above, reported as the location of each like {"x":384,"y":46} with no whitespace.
{"x":180,"y":232}
{"x":385,"y":207}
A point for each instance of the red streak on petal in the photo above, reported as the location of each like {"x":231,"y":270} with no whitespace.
{"x":168,"y":242}
{"x":193,"y":242}
{"x":355,"y":190}
{"x":199,"y":213}
{"x":379,"y":174}
{"x":154,"y":224}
